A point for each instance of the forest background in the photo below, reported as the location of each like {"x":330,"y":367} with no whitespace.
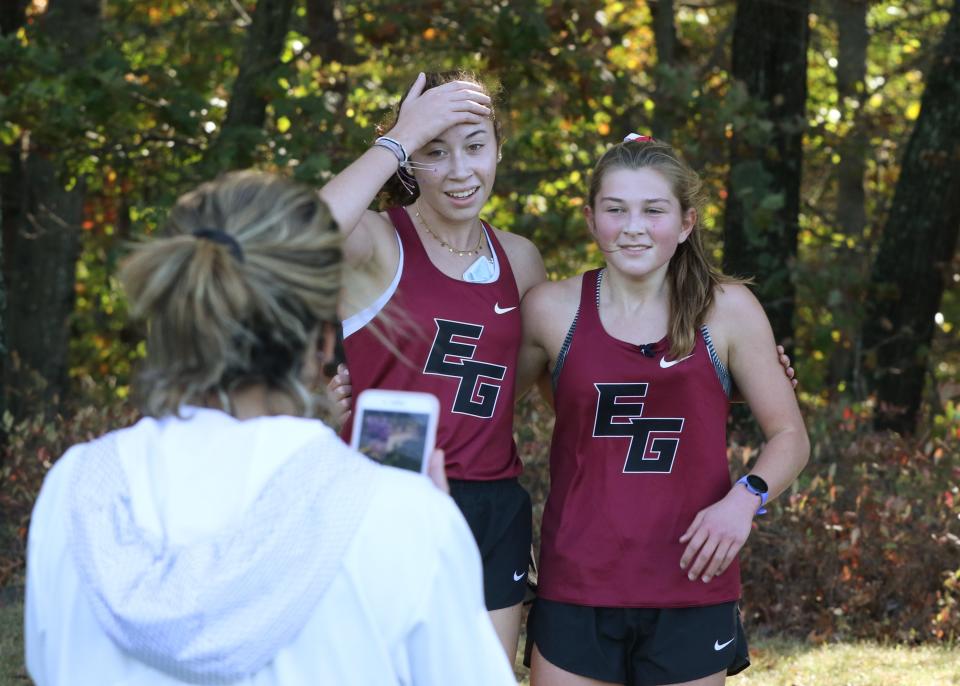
{"x":828,"y":134}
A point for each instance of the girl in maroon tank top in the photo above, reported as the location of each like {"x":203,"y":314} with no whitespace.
{"x":443,"y":308}
{"x":642,"y":520}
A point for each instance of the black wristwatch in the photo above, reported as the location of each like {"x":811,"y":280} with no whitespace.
{"x":758,"y":487}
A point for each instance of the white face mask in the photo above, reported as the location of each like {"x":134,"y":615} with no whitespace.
{"x":481,"y":271}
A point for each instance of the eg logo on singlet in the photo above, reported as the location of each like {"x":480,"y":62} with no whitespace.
{"x":452,"y":355}
{"x":653,"y":441}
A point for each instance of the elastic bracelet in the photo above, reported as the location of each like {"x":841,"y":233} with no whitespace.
{"x":394,"y":146}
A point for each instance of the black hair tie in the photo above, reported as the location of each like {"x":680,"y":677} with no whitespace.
{"x":223,"y":238}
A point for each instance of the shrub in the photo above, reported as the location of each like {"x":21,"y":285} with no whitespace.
{"x":866,"y":545}
{"x":32,"y":446}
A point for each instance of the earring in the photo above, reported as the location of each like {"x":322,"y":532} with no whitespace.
{"x":499,"y":156}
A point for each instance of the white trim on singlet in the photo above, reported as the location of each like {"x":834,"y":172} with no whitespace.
{"x":496,"y":260}
{"x":357,"y":321}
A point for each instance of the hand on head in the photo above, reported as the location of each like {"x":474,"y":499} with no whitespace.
{"x":426,"y":113}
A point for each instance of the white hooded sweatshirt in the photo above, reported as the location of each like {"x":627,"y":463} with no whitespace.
{"x":209,"y":550}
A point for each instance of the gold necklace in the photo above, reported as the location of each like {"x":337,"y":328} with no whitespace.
{"x":459,"y":253}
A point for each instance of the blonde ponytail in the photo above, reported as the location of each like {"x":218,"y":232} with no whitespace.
{"x":225,"y":313}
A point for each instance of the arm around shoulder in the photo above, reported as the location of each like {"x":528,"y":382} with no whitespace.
{"x":742,"y":335}
{"x":534,"y":357}
{"x":754,"y":364}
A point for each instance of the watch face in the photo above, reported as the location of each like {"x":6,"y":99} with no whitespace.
{"x":757,"y":484}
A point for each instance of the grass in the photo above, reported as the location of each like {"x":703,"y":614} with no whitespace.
{"x":783,"y":662}
{"x":776,"y":661}
{"x":12,"y":672}
{"x":790,"y":662}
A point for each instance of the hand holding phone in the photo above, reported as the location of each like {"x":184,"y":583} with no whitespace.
{"x":396,"y":428}
{"x":437,"y":470}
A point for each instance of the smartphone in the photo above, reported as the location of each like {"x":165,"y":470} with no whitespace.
{"x":397,"y":428}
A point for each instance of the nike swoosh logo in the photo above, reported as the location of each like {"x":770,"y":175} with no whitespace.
{"x":517,"y":577}
{"x":665,"y":364}
{"x":718,"y":646}
{"x":502,"y":310}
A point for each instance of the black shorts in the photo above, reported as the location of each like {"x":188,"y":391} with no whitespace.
{"x":501,"y":519}
{"x":639,"y":646}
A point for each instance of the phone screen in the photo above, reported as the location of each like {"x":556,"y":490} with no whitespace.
{"x":394,"y":438}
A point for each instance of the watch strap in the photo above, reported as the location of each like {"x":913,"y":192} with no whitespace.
{"x":762,"y":494}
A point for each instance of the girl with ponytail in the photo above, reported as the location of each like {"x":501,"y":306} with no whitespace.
{"x":639,"y":582}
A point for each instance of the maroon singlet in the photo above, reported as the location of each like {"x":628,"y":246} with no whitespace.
{"x":459,"y":341}
{"x":639,"y":447}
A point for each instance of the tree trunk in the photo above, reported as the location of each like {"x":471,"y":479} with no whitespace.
{"x":323,"y":29}
{"x":665,"y":36}
{"x":760,"y":227}
{"x":4,"y":350}
{"x":41,"y":239}
{"x":851,"y":218}
{"x":12,"y":15}
{"x":236,"y":145}
{"x":41,"y":268}
{"x":917,"y":245}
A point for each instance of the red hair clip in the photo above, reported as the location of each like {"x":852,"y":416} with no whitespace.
{"x":637,"y":137}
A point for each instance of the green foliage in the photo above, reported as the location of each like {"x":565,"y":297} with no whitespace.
{"x":834,"y":264}
{"x":138,"y":119}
